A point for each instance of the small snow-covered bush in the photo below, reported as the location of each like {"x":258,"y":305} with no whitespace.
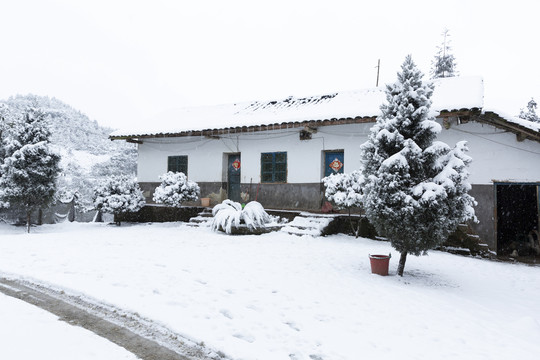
{"x":118,"y":195}
{"x":230,"y":213}
{"x":226,"y":214}
{"x":175,"y":188}
{"x":345,"y":190}
{"x":254,"y":215}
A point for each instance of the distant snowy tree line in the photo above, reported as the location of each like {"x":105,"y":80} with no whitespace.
{"x":40,"y":133}
{"x":33,"y":175}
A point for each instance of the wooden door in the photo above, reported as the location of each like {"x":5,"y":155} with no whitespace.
{"x":233,"y":177}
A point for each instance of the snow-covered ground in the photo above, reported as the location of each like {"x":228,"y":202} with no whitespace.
{"x":27,"y":332}
{"x":279,"y":296}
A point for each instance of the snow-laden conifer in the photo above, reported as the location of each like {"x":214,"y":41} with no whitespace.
{"x":444,"y":63}
{"x":415,"y":188}
{"x":175,"y":189}
{"x":530,"y":114}
{"x":118,"y":195}
{"x":29,"y":168}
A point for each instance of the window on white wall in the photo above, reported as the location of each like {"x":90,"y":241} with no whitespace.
{"x":274,"y":167}
{"x":178,"y":164}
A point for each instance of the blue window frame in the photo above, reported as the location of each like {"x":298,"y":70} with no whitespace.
{"x":274,"y":167}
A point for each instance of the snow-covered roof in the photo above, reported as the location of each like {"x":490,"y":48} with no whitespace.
{"x":516,"y":120}
{"x":450,"y":94}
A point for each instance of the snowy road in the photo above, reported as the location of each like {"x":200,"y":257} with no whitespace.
{"x":29,"y":333}
{"x":139,"y":336}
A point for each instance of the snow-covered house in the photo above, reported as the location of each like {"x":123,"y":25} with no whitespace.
{"x":278,"y":151}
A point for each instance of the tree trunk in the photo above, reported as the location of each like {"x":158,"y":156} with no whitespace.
{"x":28,"y":220}
{"x":98,"y":217}
{"x":71,"y":211}
{"x":401,"y":265}
{"x":355,"y":229}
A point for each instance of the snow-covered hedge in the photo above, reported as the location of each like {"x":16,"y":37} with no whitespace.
{"x":230,"y":213}
{"x":345,"y":190}
{"x":117,"y":195}
{"x":175,"y":188}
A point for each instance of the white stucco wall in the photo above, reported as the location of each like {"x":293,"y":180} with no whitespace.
{"x":497,"y":155}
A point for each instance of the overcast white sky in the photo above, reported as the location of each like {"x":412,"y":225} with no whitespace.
{"x":124,"y":61}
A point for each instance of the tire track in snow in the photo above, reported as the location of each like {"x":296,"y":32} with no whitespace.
{"x":142,"y":337}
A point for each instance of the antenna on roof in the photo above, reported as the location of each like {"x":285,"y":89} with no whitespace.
{"x":378,"y":68}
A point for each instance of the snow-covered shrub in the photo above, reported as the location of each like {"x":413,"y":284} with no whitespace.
{"x":118,"y":195}
{"x":254,"y":215}
{"x":345,"y":190}
{"x":230,"y":213}
{"x":175,"y":188}
{"x":226,"y":214}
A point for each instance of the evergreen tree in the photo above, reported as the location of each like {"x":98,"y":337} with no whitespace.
{"x":175,"y":188}
{"x":415,"y":188}
{"x":118,"y":195}
{"x":3,"y":132}
{"x":30,"y":168}
{"x":3,"y":142}
{"x":530,"y":114}
{"x":444,"y":63}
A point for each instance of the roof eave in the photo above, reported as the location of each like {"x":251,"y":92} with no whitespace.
{"x":252,"y":128}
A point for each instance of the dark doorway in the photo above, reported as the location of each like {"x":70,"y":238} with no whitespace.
{"x":517,"y":218}
{"x":233,"y":177}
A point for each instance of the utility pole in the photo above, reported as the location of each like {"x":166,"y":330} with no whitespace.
{"x":378,"y":68}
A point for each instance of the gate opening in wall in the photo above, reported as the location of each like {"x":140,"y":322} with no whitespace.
{"x":518,"y":218}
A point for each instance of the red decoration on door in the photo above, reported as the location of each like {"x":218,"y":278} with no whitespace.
{"x":336,"y":165}
{"x":236,"y":164}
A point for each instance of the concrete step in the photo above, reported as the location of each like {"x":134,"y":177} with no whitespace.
{"x":307,"y":224}
{"x":203,"y":219}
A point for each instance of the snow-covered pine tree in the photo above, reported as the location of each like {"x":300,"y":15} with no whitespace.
{"x":444,"y":63}
{"x":118,"y":195}
{"x":3,"y":141}
{"x":30,"y":168}
{"x":530,"y":114}
{"x":175,"y":189}
{"x":3,"y":132}
{"x":415,"y":188}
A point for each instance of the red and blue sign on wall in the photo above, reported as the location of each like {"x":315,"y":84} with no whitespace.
{"x":333,"y":162}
